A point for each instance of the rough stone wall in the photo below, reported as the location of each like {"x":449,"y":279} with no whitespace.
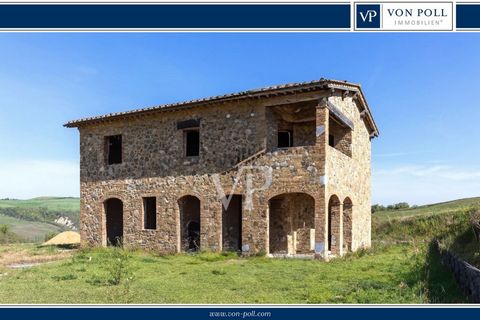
{"x":294,"y":170}
{"x":334,"y":225}
{"x":232,"y":224}
{"x":154,"y":165}
{"x":466,"y":275}
{"x":304,"y":239}
{"x":342,"y":137}
{"x":347,"y":225}
{"x":289,"y":214}
{"x":154,"y":147}
{"x":351,"y":176}
{"x":303,"y":132}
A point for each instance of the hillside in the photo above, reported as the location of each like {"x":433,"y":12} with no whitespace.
{"x":29,"y":231}
{"x":431,"y":209}
{"x":50,"y":203}
{"x":424,"y":222}
{"x":449,"y":222}
{"x":32,"y":219}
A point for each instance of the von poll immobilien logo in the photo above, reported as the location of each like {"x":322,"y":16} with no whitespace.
{"x":404,"y":16}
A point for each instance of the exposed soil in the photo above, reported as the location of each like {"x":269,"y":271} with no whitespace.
{"x":22,"y":258}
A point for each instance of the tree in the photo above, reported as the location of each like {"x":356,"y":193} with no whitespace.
{"x":377,"y":207}
{"x":401,"y":205}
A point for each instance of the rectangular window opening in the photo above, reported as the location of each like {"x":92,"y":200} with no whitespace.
{"x":285,"y":139}
{"x":331,"y":140}
{"x":192,"y":143}
{"x":150,"y":213}
{"x":114,"y":149}
{"x":340,"y":137}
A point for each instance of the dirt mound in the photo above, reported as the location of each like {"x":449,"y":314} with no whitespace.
{"x":64,"y":238}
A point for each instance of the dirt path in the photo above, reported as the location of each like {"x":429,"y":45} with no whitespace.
{"x":18,"y":256}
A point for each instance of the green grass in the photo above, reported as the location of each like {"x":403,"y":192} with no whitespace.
{"x":421,"y":228}
{"x":439,"y":285}
{"x":464,"y":245}
{"x":50,"y":203}
{"x":401,"y":268}
{"x":386,"y":276}
{"x":428,"y":210}
{"x":29,"y":231}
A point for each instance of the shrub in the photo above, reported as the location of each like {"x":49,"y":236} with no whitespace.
{"x":118,"y":267}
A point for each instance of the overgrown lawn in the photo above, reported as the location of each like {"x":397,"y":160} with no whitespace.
{"x":392,"y":274}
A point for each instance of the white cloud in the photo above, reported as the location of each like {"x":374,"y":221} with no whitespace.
{"x":417,"y":184}
{"x":34,"y":178}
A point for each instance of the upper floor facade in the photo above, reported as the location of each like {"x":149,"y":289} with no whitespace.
{"x":330,"y":119}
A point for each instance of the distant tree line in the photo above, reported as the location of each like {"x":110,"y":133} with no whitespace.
{"x":40,"y":214}
{"x":396,"y":206}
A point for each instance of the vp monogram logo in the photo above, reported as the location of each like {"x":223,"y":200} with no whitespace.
{"x":368,"y":16}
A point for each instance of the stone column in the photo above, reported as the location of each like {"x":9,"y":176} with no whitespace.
{"x":267,"y":227}
{"x":211,"y":225}
{"x":340,"y":235}
{"x":255,"y":225}
{"x":320,"y":154}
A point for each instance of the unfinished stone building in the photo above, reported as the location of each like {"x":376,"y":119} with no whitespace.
{"x":278,"y":170}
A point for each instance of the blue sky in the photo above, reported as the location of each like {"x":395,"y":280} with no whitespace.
{"x":422,"y":89}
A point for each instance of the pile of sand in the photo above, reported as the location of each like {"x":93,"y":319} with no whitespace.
{"x":64,"y":238}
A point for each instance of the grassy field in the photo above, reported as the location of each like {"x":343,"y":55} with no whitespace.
{"x":30,"y":220}
{"x":391,"y":275}
{"x":50,"y":203}
{"x":428,"y":210}
{"x":400,"y":268}
{"x":29,"y":231}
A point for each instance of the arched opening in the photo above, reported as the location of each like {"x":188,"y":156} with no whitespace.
{"x":232,"y":224}
{"x":114,"y":221}
{"x":189,"y":207}
{"x":347,"y":224}
{"x":291,"y":223}
{"x":333,"y":224}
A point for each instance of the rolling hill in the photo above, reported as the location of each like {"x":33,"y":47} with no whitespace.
{"x":51,"y":203}
{"x":423,"y":222}
{"x":32,"y":219}
{"x":429,"y":210}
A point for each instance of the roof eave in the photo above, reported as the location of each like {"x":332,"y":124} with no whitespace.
{"x":258,"y":93}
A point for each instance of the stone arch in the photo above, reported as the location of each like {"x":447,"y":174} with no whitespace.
{"x":113,"y":208}
{"x":347,"y":224}
{"x":291,"y":223}
{"x":189,"y":208}
{"x":333,"y":224}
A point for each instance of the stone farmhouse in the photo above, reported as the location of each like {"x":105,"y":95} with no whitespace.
{"x":280,"y":170}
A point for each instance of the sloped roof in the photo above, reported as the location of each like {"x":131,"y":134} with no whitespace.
{"x":284,"y":89}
